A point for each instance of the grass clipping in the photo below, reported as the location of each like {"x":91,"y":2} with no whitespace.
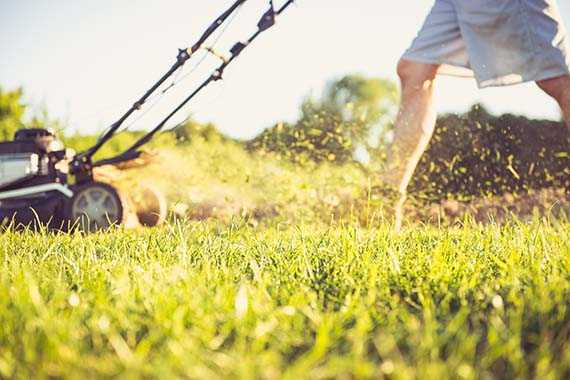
{"x":221,"y":181}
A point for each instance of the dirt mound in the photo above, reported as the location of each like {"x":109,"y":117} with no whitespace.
{"x":548,"y":202}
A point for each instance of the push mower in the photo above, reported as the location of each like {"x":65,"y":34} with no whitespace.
{"x":43,"y":183}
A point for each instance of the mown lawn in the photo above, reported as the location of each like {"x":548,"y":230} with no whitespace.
{"x":197,"y":300}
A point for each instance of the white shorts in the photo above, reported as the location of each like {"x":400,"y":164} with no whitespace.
{"x":499,"y":42}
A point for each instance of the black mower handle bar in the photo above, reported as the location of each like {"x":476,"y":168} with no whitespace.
{"x":265,"y":23}
{"x":183,"y":56}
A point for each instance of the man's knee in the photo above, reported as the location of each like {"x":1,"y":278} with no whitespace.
{"x":558,"y":87}
{"x":415,"y":74}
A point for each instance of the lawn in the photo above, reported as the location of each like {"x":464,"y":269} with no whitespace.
{"x":292,"y":300}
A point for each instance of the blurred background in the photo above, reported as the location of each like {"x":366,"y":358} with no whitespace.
{"x":87,"y":61}
{"x":300,"y":125}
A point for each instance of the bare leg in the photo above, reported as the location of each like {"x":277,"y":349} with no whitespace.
{"x":413,"y":129}
{"x":559,"y":89}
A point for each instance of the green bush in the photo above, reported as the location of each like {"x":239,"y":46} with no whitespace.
{"x":11,"y":112}
{"x":192,"y":129}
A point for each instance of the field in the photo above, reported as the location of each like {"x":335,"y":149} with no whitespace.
{"x":270,"y":271}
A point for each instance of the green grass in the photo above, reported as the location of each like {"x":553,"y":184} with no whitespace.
{"x":208,"y":300}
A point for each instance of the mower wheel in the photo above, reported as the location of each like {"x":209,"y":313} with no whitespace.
{"x":94,"y":207}
{"x":150,"y":205}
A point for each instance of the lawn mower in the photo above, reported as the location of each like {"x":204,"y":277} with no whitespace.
{"x":43,"y":183}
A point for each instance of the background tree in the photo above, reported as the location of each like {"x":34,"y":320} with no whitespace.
{"x":366,"y":106}
{"x":352,"y":115}
{"x":12,"y":110}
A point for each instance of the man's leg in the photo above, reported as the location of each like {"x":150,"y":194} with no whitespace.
{"x":559,"y":89}
{"x":413,"y":129}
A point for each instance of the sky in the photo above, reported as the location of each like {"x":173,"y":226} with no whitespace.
{"x":87,"y":61}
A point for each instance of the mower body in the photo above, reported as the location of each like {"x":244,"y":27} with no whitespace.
{"x":42,"y":183}
{"x":35,"y":189}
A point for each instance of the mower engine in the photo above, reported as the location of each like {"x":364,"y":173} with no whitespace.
{"x":28,"y":156}
{"x":33,"y":177}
